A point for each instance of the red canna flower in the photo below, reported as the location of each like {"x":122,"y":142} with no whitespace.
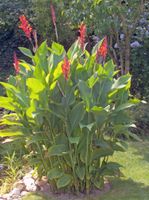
{"x":53,"y":15}
{"x":103,"y":49}
{"x":16,"y":63}
{"x":82,"y":35}
{"x":66,"y":68}
{"x":25,"y":26}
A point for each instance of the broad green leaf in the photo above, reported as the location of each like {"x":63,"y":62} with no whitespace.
{"x":26,"y":66}
{"x":88,"y":126}
{"x":135,"y":137}
{"x":9,"y":122}
{"x":63,"y":181}
{"x":76,"y":115}
{"x":58,"y":150}
{"x":74,"y":140}
{"x":86,"y":93}
{"x":26,"y":52}
{"x":124,"y":106}
{"x":9,"y":86}
{"x":80,"y":171}
{"x":56,"y":48}
{"x":95,"y":48}
{"x":102,"y":143}
{"x":58,"y":110}
{"x":58,"y":71}
{"x":109,"y":168}
{"x":117,"y":147}
{"x":121,"y":82}
{"x":99,"y":183}
{"x":100,"y":115}
{"x":7,"y":103}
{"x":69,"y":98}
{"x":92,"y":80}
{"x":73,"y":51}
{"x":54,"y":173}
{"x":102,"y":152}
{"x":112,"y":165}
{"x":9,"y":133}
{"x":35,"y":85}
{"x":40,"y":58}
{"x":109,"y":68}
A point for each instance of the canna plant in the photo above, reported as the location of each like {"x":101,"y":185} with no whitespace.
{"x":69,"y":112}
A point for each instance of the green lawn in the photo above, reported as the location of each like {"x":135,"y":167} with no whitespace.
{"x":135,"y":183}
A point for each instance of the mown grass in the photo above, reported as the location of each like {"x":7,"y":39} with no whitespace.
{"x":135,"y":183}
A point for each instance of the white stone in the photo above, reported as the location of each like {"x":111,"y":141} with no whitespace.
{"x":20,"y":185}
{"x":31,"y":188}
{"x":28,"y":181}
{"x":23,"y":193}
{"x":15,"y":191}
{"x":30,"y":184}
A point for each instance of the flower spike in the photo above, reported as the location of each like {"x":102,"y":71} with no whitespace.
{"x":82,"y":35}
{"x":103,"y":49}
{"x":25,"y":26}
{"x":16,"y":63}
{"x":66,"y":68}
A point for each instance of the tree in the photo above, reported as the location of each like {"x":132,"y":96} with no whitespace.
{"x":117,"y":19}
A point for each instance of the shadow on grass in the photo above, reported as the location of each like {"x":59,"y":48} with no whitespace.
{"x":121,"y":190}
{"x":126,"y":190}
{"x":142,"y":149}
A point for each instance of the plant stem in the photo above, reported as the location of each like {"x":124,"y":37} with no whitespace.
{"x":41,"y":155}
{"x":71,"y":158}
{"x":86,"y":165}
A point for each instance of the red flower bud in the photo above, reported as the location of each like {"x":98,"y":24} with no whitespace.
{"x":82,"y":35}
{"x":66,"y":68}
{"x":25,"y":26}
{"x":16,"y":63}
{"x":103,"y":49}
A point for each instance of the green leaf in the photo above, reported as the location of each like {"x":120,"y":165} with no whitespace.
{"x":7,"y":103}
{"x":99,"y":183}
{"x":56,"y":48}
{"x":73,"y":51}
{"x":10,"y":132}
{"x":110,"y":168}
{"x":9,"y":86}
{"x":113,"y":165}
{"x":69,"y":98}
{"x":40,"y":58}
{"x":124,"y":106}
{"x":80,"y":171}
{"x":86,"y":93}
{"x":64,"y":180}
{"x":26,"y":52}
{"x":88,"y":126}
{"x":54,"y":173}
{"x":58,"y":110}
{"x":57,"y":71}
{"x":74,"y":140}
{"x":102,"y":152}
{"x":26,"y":66}
{"x":94,"y":50}
{"x":134,"y":136}
{"x":92,"y":80}
{"x":121,"y":82}
{"x":58,"y":150}
{"x":76,"y":115}
{"x":35,"y":85}
{"x":109,"y":68}
{"x":100,"y":115}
